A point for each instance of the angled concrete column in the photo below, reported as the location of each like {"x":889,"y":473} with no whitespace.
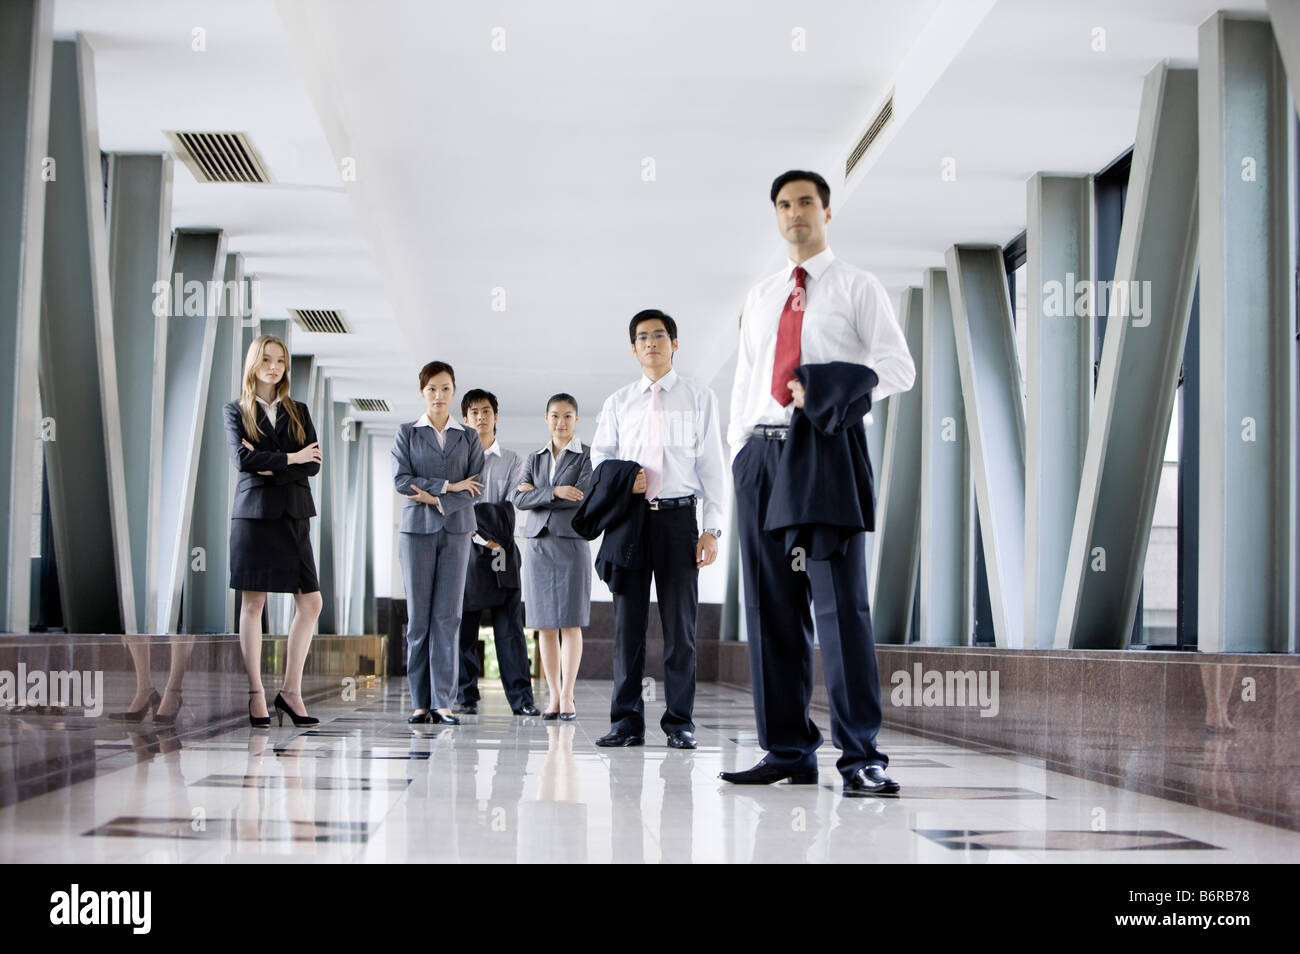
{"x":358,"y":501}
{"x":330,"y":537}
{"x":1285,"y":16}
{"x":1058,"y":378}
{"x":26,"y":53}
{"x":209,"y":601}
{"x":1247,"y":354}
{"x":995,"y":421}
{"x":369,"y":617}
{"x":198,"y":266}
{"x":78,"y":367}
{"x":139,"y":253}
{"x":344,"y":448}
{"x":946,"y":573}
{"x":898,"y":506}
{"x":1148,"y":307}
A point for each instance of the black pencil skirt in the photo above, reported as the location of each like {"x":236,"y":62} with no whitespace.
{"x":272,"y":556}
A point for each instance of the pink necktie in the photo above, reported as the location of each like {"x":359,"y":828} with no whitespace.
{"x":652,"y":444}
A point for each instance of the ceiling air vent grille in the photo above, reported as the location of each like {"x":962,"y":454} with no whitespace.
{"x":220,"y":156}
{"x":873,"y":132}
{"x":377,"y":405}
{"x":319,"y":321}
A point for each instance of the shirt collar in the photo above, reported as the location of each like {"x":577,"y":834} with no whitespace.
{"x":423,"y":421}
{"x":665,"y":383}
{"x":816,"y":265}
{"x":574,"y":445}
{"x":272,"y":404}
{"x":494,"y":449}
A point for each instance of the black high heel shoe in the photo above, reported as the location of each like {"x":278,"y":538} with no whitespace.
{"x":137,"y":715}
{"x":440,"y":719}
{"x":281,"y":707}
{"x":160,"y":719}
{"x":257,"y":722}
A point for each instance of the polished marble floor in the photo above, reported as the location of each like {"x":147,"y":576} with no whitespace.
{"x":364,"y":786}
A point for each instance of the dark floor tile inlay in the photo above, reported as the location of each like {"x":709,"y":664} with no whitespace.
{"x":322,"y":784}
{"x":131,"y":826}
{"x":1058,"y":840}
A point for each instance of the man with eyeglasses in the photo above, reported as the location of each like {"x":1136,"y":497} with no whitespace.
{"x":669,"y":425}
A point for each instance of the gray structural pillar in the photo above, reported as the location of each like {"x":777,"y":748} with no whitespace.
{"x":78,"y":368}
{"x":26,"y":54}
{"x":1058,"y":378}
{"x":898,"y":509}
{"x":1148,"y":308}
{"x":995,"y":421}
{"x":946,"y":572}
{"x":1247,"y":353}
{"x":198,"y":266}
{"x":358,"y":503}
{"x":330,"y":538}
{"x":209,"y":601}
{"x":344,"y":449}
{"x":1285,"y":15}
{"x":139,"y":252}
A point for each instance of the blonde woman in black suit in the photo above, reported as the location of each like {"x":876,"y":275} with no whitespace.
{"x":273,"y":445}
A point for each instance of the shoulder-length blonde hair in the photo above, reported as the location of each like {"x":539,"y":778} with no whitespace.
{"x":248,"y":395}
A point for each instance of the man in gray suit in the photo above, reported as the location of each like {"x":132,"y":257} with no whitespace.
{"x":502,"y":472}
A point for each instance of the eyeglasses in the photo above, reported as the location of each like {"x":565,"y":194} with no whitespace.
{"x":643,"y":337}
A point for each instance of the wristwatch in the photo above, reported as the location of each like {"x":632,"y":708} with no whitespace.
{"x":717,"y":534}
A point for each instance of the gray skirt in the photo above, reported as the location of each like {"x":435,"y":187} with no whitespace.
{"x":557,"y":581}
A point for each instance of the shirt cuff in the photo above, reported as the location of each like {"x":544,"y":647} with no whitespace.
{"x":479,"y":540}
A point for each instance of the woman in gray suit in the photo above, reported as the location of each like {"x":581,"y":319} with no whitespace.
{"x":557,"y":562}
{"x":436,"y":463}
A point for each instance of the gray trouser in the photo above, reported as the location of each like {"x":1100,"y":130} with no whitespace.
{"x":433,"y":570}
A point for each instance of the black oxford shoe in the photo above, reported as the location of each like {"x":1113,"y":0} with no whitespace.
{"x":620,"y":739}
{"x":765,"y":773}
{"x":681,"y":740}
{"x":528,"y":710}
{"x":467,"y":708}
{"x":871,"y":780}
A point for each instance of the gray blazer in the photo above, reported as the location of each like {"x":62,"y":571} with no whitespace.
{"x":541,"y":510}
{"x":417,"y":459}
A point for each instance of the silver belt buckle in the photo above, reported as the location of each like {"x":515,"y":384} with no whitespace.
{"x":654,"y":504}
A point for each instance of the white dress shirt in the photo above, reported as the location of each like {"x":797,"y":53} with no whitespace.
{"x":272,"y":409}
{"x":847,"y":317}
{"x":692,"y":462}
{"x":441,"y":437}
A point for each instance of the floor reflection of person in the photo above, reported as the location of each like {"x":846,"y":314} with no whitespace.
{"x":274,"y":447}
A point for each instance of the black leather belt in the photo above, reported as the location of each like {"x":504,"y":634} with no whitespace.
{"x":771,"y":432}
{"x":672,"y":503}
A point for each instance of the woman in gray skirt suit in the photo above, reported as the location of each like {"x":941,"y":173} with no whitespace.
{"x":436,"y":465}
{"x":557,"y":562}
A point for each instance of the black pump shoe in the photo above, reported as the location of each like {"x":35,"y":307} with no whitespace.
{"x":281,"y":707}
{"x":257,"y":722}
{"x":437,"y":718}
{"x":137,"y":715}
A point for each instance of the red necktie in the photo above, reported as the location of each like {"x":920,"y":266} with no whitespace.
{"x":787,"y":340}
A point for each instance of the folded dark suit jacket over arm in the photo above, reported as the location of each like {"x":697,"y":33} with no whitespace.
{"x":824,"y":491}
{"x":611,"y":508}
{"x":486,"y":586}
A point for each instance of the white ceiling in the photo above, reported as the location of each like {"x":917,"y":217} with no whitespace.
{"x":521,"y":169}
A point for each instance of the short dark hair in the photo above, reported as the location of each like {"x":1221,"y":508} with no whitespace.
{"x":473,"y":396}
{"x":651,"y":314}
{"x":802,"y":175}
{"x":562,"y":398}
{"x":434,"y":368}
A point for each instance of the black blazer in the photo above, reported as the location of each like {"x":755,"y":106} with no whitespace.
{"x":611,"y":508}
{"x":823,"y":491}
{"x":286,"y":492}
{"x":485,"y":586}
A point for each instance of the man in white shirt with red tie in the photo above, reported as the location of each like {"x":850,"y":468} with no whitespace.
{"x":818,"y":309}
{"x":669,"y":425}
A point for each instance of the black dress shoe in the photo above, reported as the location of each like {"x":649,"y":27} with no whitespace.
{"x":529,"y":710}
{"x":467,"y":708}
{"x":871,"y":780}
{"x":550,"y":716}
{"x":440,"y":719}
{"x":420,"y":717}
{"x":619,"y":739}
{"x":681,"y":740}
{"x":765,"y":773}
{"x":568,"y":716}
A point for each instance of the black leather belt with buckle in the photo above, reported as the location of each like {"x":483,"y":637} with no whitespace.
{"x":672,"y":503}
{"x":772,"y":432}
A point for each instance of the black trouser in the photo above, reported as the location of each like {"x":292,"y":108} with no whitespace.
{"x":512,"y":652}
{"x":669,"y":553}
{"x":778,"y":622}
